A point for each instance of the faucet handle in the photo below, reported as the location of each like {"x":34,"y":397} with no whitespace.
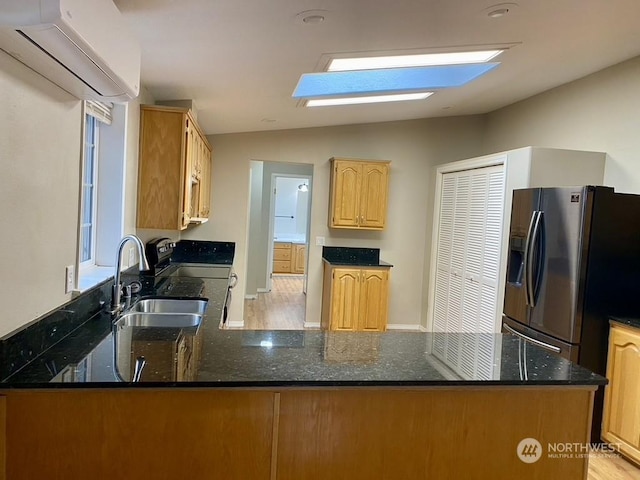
{"x":135,"y":286}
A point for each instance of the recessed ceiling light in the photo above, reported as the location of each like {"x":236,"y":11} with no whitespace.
{"x":311,"y":17}
{"x":500,"y":12}
{"x":419,"y":60}
{"x":500,"y":9}
{"x":326,"y":102}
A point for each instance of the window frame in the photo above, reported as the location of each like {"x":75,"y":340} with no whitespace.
{"x":91,"y":260}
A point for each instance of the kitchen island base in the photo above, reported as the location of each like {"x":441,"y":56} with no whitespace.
{"x":295,"y":433}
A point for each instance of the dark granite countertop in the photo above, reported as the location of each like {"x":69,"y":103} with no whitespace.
{"x":630,"y":322}
{"x":353,"y":256}
{"x":237,"y":358}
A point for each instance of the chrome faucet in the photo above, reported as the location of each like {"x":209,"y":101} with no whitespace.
{"x":116,"y":292}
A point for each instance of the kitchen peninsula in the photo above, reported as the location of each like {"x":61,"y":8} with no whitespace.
{"x":288,"y":404}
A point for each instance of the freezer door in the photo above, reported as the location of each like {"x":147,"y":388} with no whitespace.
{"x":523,"y":213}
{"x":556,"y":255}
{"x":550,"y":344}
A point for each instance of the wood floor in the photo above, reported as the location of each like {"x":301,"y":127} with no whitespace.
{"x":281,"y":309}
{"x":616,"y":468}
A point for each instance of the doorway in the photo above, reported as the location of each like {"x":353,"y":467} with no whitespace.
{"x":278,"y":234}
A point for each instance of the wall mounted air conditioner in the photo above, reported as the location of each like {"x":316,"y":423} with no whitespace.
{"x":83,"y":46}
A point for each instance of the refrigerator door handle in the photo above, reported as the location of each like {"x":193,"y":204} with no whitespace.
{"x":534,"y":284}
{"x":544,"y":345}
{"x":527,"y":277}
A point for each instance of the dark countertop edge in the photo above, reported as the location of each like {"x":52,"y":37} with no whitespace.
{"x":627,"y":322}
{"x":260,"y":384}
{"x":381,"y":264}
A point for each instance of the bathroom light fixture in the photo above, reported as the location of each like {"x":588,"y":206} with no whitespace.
{"x":419,"y":60}
{"x":326,"y":102}
{"x":303,"y":187}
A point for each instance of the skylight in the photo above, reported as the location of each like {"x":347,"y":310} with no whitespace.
{"x":326,"y":102}
{"x":387,"y":81}
{"x":392,"y":78}
{"x":419,"y":60}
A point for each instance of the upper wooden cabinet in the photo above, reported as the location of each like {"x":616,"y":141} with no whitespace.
{"x":174,"y":179}
{"x":359,"y":191}
{"x":621,"y":422}
{"x":355,"y":298}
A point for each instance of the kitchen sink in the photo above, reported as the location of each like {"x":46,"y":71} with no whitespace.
{"x":161,"y":320}
{"x":170,"y":305}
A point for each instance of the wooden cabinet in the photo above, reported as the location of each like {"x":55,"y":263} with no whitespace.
{"x":174,"y":359}
{"x":359,"y":191}
{"x":298,"y":257}
{"x":288,"y":257}
{"x":174,"y":178}
{"x":282,"y":257}
{"x":291,"y":433}
{"x":355,"y":298}
{"x":621,"y":419}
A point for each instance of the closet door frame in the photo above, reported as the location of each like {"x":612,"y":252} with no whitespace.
{"x":474,"y":163}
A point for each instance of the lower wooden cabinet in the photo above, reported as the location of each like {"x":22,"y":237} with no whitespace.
{"x":289,"y":257}
{"x":355,"y":298}
{"x":298,"y":257}
{"x":175,"y":359}
{"x":378,"y":433}
{"x":621,"y":419}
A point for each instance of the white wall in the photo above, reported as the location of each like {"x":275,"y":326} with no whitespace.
{"x":600,"y":112}
{"x":39,"y":194}
{"x":413,"y":147}
{"x":40,"y":158}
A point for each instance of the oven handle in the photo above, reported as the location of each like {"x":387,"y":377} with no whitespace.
{"x":544,"y":345}
{"x":233,"y":280}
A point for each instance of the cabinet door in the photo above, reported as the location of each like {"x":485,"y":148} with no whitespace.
{"x":346,"y":184}
{"x":373,"y":196}
{"x":189,"y":154}
{"x":622,"y":395}
{"x":374,"y":294}
{"x":345,"y":299}
{"x":298,"y":261}
{"x":205,"y":182}
{"x":160,"y":187}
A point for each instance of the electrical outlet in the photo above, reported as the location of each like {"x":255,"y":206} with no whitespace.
{"x":132,"y":257}
{"x":69,"y":274}
{"x":319,"y":240}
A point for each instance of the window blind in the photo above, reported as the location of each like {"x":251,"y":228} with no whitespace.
{"x":100,"y":110}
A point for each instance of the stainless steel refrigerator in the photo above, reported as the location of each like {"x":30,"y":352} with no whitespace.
{"x":574,"y":261}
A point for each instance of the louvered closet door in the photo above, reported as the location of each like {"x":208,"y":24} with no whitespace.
{"x":467,"y":265}
{"x":443,"y":262}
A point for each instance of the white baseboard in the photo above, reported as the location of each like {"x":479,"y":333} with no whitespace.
{"x":235,"y":324}
{"x":311,"y":325}
{"x":250,"y":297}
{"x":406,"y":326}
{"x":262,"y":290}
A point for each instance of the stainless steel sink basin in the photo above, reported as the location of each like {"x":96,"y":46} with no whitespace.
{"x":170,"y":305}
{"x":161,"y":320}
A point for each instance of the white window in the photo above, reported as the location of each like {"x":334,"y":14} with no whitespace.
{"x":89,"y":192}
{"x":101,"y":212}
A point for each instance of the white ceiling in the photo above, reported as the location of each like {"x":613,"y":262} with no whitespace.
{"x":239,"y":60}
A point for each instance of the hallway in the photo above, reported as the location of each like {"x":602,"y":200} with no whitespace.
{"x":281,"y":309}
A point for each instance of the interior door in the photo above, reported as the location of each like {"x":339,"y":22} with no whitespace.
{"x":523,"y":214}
{"x":557,"y":272}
